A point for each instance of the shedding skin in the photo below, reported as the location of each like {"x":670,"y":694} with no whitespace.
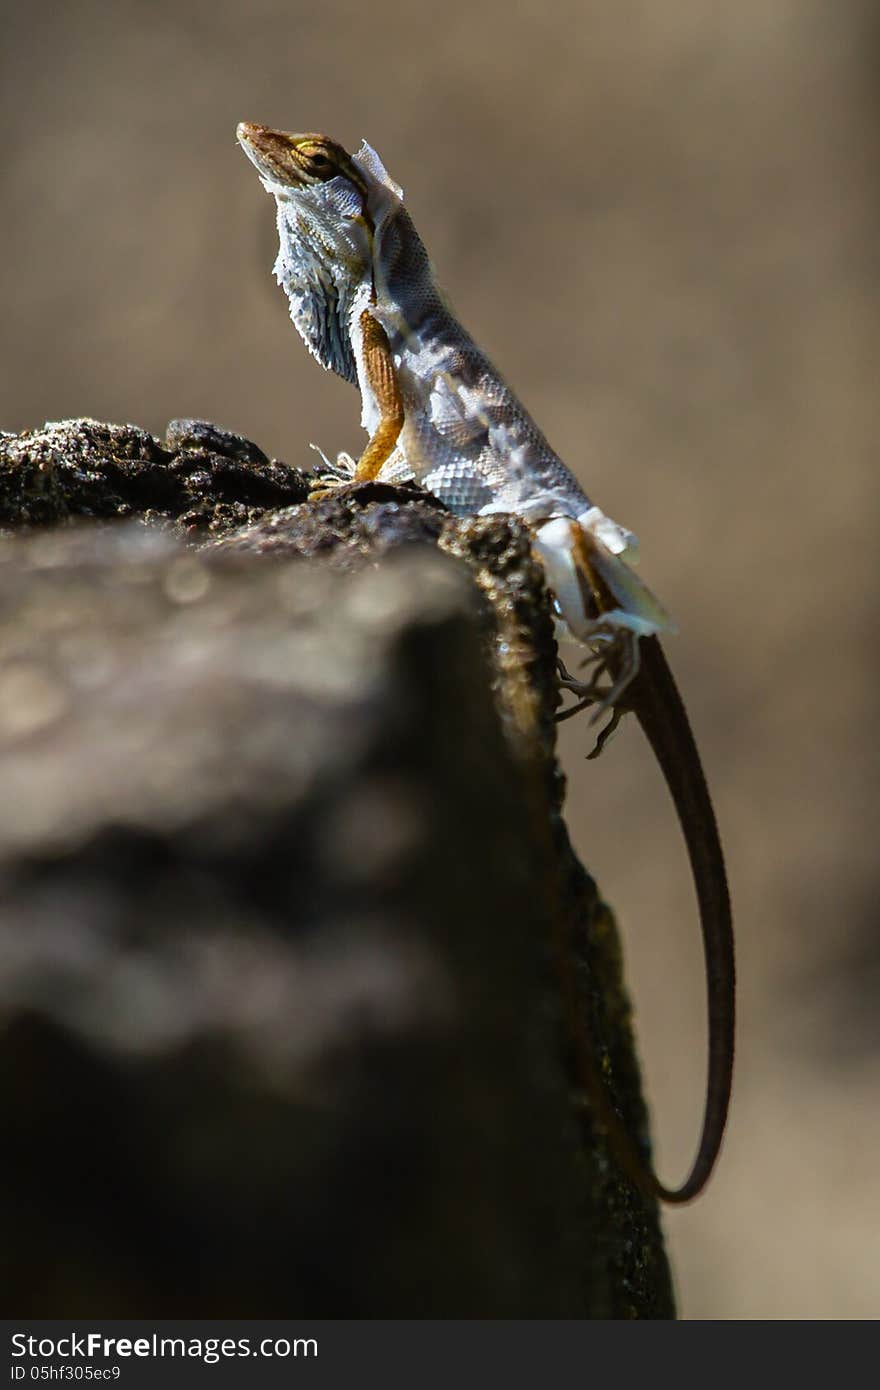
{"x":451,"y":387}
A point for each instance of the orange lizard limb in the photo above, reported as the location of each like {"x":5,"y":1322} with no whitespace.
{"x":379,"y":368}
{"x":383,"y":384}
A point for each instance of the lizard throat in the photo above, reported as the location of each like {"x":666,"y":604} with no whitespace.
{"x":324,"y":283}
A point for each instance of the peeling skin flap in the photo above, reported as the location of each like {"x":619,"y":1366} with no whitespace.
{"x":638,"y":609}
{"x":327,"y":201}
{"x":572,"y":557}
{"x":371,"y":164}
{"x":615,"y":537}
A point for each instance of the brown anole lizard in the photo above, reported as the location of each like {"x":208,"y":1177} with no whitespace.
{"x":364,"y":299}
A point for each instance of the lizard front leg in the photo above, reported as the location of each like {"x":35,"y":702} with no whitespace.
{"x":382,"y":381}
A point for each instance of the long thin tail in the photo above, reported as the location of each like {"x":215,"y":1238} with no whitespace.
{"x":654,"y":697}
{"x":659,"y":708}
{"x":594,"y":586}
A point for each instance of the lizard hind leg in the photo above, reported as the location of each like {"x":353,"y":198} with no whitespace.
{"x":602,"y":603}
{"x":605,"y":607}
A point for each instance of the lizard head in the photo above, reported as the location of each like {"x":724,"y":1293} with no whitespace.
{"x":298,"y":162}
{"x":330,"y":208}
{"x":315,"y":174}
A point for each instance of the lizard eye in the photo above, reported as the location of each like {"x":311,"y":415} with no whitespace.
{"x":320,"y":164}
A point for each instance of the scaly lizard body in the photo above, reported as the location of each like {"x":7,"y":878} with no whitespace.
{"x":364,"y":299}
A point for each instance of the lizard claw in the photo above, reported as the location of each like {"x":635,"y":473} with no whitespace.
{"x":604,"y":697}
{"x":333,"y":475}
{"x":325,"y":487}
{"x":605,"y":734}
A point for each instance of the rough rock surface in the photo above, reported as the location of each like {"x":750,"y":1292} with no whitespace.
{"x":285,"y":898}
{"x":200,"y":477}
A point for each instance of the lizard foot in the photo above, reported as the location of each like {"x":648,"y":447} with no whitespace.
{"x":332,"y":475}
{"x":587,"y":692}
{"x":592,"y":692}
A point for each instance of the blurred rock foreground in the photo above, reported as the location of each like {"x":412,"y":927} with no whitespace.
{"x":285,"y":897}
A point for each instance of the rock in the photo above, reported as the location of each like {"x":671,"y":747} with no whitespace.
{"x":81,"y":468}
{"x":286,"y":899}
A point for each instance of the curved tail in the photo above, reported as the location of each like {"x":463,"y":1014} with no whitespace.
{"x":591,"y":582}
{"x":654,"y":698}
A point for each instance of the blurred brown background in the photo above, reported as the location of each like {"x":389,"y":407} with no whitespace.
{"x":662,"y":221}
